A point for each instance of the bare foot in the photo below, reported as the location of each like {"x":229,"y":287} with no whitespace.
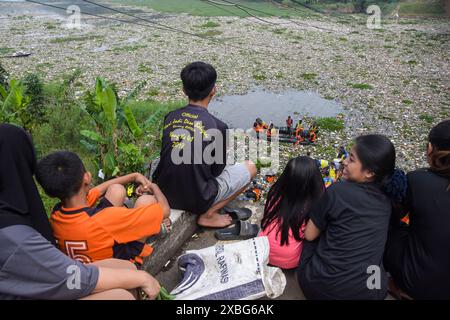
{"x":214,"y":220}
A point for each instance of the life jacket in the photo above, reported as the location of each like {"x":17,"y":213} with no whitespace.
{"x":299,"y":132}
{"x":312,"y":136}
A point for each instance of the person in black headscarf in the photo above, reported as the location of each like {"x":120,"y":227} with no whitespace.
{"x":20,"y":203}
{"x":31,"y":267}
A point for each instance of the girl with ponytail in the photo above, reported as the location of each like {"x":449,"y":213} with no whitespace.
{"x":418,"y":255}
{"x":352,"y":219}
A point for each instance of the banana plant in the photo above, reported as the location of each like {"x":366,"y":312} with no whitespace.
{"x":109,"y":115}
{"x":13,"y":104}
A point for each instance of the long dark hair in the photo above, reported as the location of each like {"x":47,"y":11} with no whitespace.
{"x":439,"y":138}
{"x":291,"y":197}
{"x":377,"y":154}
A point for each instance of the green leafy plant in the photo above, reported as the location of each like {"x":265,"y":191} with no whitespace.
{"x":3,"y":77}
{"x":114,"y":149}
{"x":331,"y":124}
{"x":164,"y":295}
{"x":14,"y":103}
{"x":34,"y":88}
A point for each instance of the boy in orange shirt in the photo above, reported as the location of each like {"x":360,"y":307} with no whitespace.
{"x":89,"y":232}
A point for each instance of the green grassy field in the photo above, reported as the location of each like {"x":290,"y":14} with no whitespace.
{"x":422,"y":8}
{"x":202,"y":8}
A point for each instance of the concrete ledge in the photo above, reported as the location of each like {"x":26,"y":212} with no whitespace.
{"x":184,"y":225}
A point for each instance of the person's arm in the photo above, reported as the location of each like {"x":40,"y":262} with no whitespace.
{"x":311,"y":231}
{"x":160,"y":197}
{"x":127,"y":279}
{"x":319,"y":215}
{"x":124,"y":180}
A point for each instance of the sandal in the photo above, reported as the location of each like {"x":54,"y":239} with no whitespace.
{"x":242,"y":230}
{"x":237,"y":214}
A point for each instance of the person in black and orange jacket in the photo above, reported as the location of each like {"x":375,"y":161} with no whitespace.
{"x":88,"y":231}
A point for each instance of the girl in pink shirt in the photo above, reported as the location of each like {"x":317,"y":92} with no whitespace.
{"x":286,"y":210}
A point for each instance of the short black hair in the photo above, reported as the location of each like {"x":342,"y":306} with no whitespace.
{"x":61,"y":174}
{"x":199,"y":78}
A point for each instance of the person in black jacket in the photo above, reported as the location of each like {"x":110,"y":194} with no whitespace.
{"x":418,"y":255}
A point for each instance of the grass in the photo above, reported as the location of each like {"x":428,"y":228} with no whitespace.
{"x":330,"y":124}
{"x":361,"y":86}
{"x":427,"y":118}
{"x":49,"y":25}
{"x":145,"y":68}
{"x":407,"y":101}
{"x":309,"y":76}
{"x":263,"y":163}
{"x":210,"y":24}
{"x":279,"y":31}
{"x":259,"y":76}
{"x":5,"y":50}
{"x":76,"y":39}
{"x":422,"y":8}
{"x":201,"y":8}
{"x":153,"y":92}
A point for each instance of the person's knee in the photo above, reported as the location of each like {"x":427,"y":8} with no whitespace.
{"x":119,"y":294}
{"x":251,"y":166}
{"x":145,"y":200}
{"x":116,"y":194}
{"x":112,"y":294}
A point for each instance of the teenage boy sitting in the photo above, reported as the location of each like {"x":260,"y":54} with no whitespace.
{"x":90,"y":232}
{"x":199,"y":184}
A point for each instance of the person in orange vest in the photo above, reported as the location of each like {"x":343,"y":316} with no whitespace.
{"x":289,"y":123}
{"x":299,"y":131}
{"x":258,"y":126}
{"x":312,"y":132}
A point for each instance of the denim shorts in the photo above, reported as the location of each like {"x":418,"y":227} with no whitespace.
{"x":232,"y":179}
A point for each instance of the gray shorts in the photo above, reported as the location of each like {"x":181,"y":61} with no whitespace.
{"x":232,"y":179}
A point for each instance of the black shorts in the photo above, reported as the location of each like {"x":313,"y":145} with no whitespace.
{"x":103,"y":204}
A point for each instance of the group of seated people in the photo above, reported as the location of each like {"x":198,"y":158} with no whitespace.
{"x":92,"y":245}
{"x":344,"y":240}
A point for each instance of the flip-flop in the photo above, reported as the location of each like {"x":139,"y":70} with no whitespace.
{"x":242,"y":230}
{"x":237,"y":214}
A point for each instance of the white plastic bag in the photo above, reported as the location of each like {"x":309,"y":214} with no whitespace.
{"x":235,"y":271}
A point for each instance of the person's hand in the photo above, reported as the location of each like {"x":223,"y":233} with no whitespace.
{"x":142,"y":181}
{"x":153,"y":188}
{"x":141,"y":190}
{"x":151,"y":287}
